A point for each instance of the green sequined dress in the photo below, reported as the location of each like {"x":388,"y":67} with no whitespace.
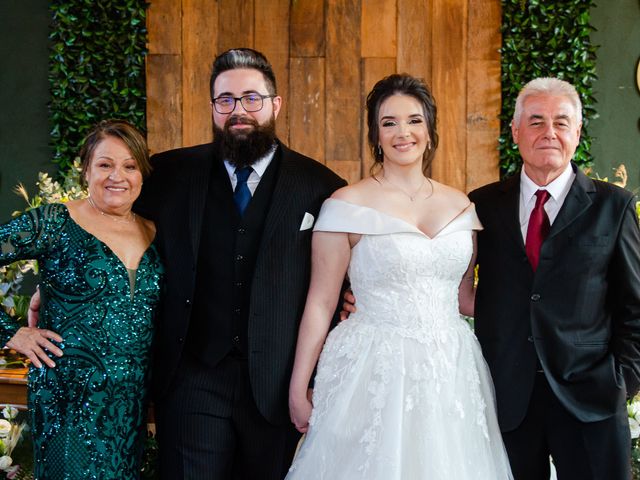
{"x":88,"y":413}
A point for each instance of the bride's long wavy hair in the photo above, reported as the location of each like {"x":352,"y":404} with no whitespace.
{"x":403,"y":84}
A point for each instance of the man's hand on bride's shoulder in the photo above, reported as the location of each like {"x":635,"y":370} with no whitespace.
{"x":33,"y":315}
{"x":348,"y":306}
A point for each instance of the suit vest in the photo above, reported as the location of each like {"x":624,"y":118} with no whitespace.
{"x":227,"y":255}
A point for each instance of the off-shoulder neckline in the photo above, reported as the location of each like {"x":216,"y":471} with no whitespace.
{"x":470,"y":207}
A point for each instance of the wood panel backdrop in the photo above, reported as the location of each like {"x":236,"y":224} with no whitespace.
{"x":327,"y":55}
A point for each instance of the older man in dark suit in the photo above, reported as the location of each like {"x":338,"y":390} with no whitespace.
{"x":234,"y":224}
{"x":558,"y":300}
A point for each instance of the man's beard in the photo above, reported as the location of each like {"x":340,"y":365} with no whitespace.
{"x":244,"y":148}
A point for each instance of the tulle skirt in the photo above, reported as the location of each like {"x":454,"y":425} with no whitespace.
{"x":392,"y":404}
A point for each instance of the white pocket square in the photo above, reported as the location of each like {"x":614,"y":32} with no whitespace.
{"x":307,"y":221}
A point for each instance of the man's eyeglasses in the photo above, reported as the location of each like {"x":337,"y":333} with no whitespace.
{"x":252,"y":102}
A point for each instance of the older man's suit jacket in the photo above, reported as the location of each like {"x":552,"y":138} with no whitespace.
{"x":174,"y":197}
{"x":579,"y":313}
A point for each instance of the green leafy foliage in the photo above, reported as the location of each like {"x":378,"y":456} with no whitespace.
{"x":11,"y":277}
{"x":541,"y":38}
{"x":96,"y":69}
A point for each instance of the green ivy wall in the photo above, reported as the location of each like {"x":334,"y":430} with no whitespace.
{"x":616,"y":131}
{"x":96,"y":69}
{"x":541,"y":38}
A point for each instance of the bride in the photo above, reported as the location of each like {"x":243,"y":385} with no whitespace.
{"x":401,"y":390}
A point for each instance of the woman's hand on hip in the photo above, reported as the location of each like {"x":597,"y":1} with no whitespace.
{"x":34,"y":343}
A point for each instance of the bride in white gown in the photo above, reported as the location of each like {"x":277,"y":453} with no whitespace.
{"x":401,"y":390}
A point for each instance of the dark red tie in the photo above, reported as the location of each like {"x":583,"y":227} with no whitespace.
{"x":538,"y":228}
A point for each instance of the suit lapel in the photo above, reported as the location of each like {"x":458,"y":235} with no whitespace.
{"x":198,"y":190}
{"x":510,"y":214}
{"x":577,"y":201}
{"x":282,"y":197}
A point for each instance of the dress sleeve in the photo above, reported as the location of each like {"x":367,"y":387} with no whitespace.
{"x":340,"y":216}
{"x":27,"y":237}
{"x":472,"y":222}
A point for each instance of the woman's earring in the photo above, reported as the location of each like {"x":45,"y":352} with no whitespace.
{"x":379,"y":151}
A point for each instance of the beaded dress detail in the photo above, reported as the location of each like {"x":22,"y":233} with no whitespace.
{"x":89,"y":412}
{"x":402,"y":391}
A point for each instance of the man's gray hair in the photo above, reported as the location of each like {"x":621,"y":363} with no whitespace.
{"x":548,"y":86}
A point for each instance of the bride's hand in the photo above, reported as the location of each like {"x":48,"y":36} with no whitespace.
{"x":300,"y":412}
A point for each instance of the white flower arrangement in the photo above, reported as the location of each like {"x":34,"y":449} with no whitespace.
{"x":10,"y":435}
{"x":633,"y":410}
{"x":54,"y":191}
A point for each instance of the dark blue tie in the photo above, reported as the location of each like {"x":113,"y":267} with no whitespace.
{"x":242,"y":194}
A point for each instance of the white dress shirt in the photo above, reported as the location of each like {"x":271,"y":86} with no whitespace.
{"x":558,"y":189}
{"x":258,"y":171}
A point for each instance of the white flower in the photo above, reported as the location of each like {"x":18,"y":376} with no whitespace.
{"x":634,"y":426}
{"x":9,"y":412}
{"x":5,"y":462}
{"x":5,"y":428}
{"x":633,"y":409}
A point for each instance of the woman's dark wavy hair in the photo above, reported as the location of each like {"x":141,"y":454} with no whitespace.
{"x":403,"y":84}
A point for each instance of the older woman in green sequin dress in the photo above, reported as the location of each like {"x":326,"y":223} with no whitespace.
{"x":100,"y":285}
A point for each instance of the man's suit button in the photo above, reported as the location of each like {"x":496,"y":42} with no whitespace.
{"x":530,"y":338}
{"x":239,"y":257}
{"x":237,"y":311}
{"x":236,"y":339}
{"x":242,"y":231}
{"x":535,"y":297}
{"x":187,"y":302}
{"x":238,"y":284}
{"x":180,"y":340}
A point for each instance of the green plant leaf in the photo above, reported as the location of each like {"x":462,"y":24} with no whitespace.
{"x":541,"y":38}
{"x":96,"y":69}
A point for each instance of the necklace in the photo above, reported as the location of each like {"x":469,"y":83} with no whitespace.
{"x":112,"y":217}
{"x":411,"y":197}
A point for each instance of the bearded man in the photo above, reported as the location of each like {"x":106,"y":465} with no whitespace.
{"x":234,"y":221}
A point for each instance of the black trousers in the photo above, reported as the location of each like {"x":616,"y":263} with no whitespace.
{"x":580,"y":451}
{"x":209,"y":427}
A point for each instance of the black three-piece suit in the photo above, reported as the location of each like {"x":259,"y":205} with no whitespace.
{"x":567,"y":335}
{"x":235,"y":293}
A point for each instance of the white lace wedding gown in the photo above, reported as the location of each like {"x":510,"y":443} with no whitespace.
{"x":402,"y":390}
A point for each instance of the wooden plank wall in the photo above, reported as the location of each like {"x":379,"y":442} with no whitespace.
{"x":327,"y":55}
